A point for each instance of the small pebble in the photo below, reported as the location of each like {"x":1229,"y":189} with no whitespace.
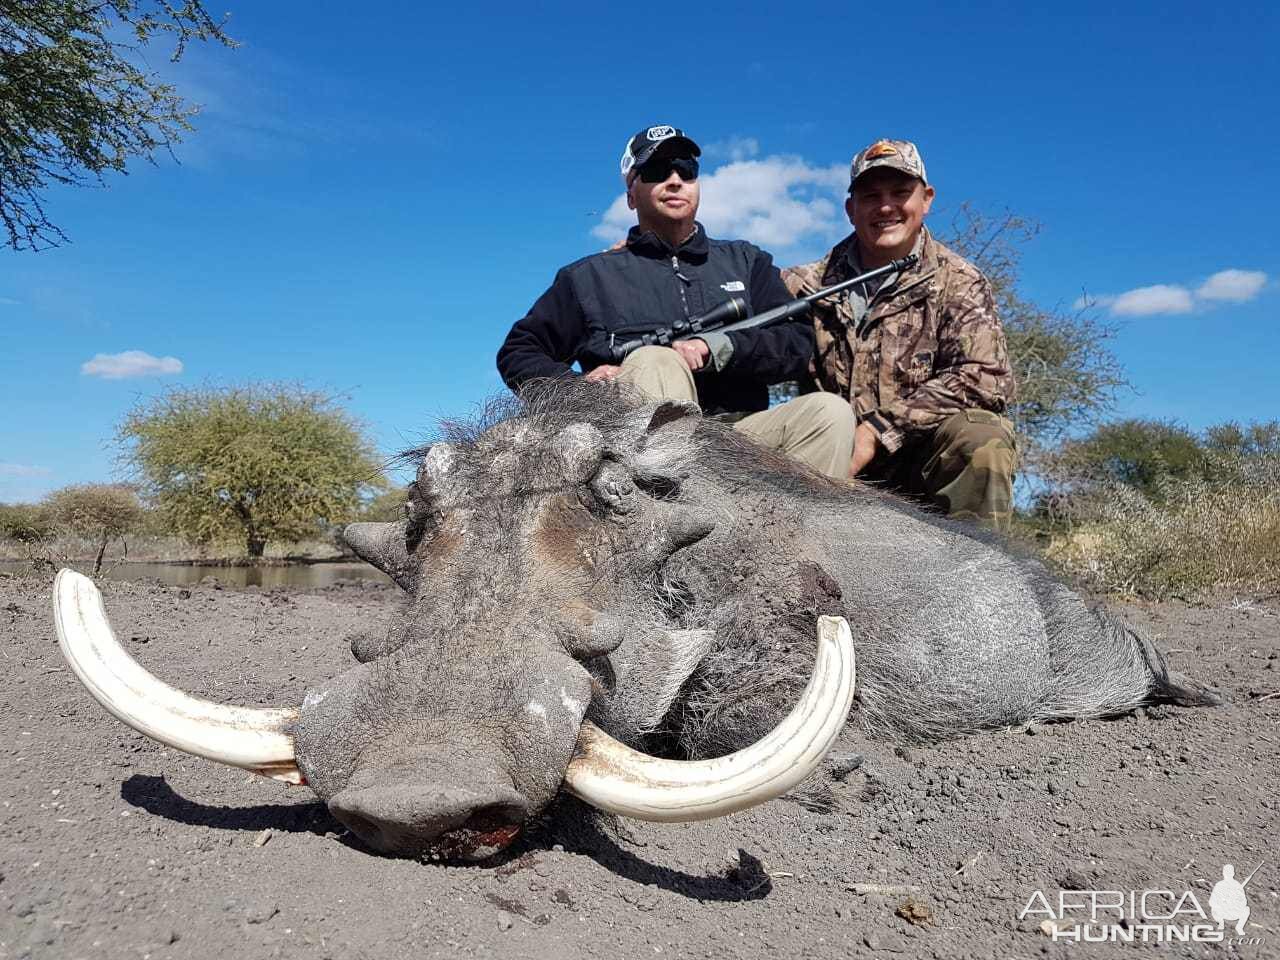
{"x":843,"y":766}
{"x":261,"y":912}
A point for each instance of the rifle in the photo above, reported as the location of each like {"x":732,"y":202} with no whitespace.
{"x":732,"y":314}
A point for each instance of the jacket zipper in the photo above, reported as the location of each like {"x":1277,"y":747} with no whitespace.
{"x":869,"y":322}
{"x":684,"y":302}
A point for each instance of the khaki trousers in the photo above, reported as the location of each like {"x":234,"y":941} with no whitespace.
{"x":816,"y":429}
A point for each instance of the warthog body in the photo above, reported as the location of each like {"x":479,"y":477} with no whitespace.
{"x":580,"y":556}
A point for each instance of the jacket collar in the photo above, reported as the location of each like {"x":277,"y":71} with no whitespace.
{"x":646,"y":243}
{"x":926,"y":249}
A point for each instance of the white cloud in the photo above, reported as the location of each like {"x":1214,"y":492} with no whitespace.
{"x":130,"y":363}
{"x":775,"y":202}
{"x":1233,"y":286}
{"x":9,"y":302}
{"x":1225,"y":286}
{"x":734,"y":149}
{"x":22,"y":470}
{"x":1148,"y":301}
{"x":617,"y":220}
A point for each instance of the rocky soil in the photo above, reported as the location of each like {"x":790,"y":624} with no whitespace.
{"x":114,"y":846}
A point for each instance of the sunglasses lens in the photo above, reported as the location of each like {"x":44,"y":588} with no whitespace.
{"x":687,"y":167}
{"x":657,"y":171}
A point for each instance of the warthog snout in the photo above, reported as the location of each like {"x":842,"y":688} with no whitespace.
{"x":423,"y":820}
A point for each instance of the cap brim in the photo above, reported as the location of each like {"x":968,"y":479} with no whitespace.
{"x":681,"y":146}
{"x":887,"y":165}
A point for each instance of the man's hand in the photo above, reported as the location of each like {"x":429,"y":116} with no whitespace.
{"x":694,"y":353}
{"x":865,"y":446}
{"x":606,"y":371}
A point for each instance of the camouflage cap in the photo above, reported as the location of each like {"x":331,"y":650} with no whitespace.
{"x":894,"y":154}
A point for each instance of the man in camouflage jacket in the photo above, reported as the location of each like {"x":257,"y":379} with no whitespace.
{"x":921,"y":356}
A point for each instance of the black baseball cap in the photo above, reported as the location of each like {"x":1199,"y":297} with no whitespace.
{"x":645,"y":144}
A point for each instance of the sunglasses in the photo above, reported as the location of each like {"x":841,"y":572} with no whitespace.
{"x":656,"y":171}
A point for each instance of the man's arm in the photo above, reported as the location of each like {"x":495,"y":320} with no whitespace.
{"x":545,"y":341}
{"x":771,"y":354}
{"x":971,"y":369}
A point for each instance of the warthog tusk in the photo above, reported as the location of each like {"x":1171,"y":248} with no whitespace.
{"x":248,"y":737}
{"x":610,"y":775}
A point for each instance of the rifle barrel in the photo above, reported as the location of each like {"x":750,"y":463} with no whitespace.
{"x":894,"y":266}
{"x":802,"y":306}
{"x":735,"y":307}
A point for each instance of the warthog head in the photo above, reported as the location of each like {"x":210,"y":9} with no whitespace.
{"x":540,"y":623}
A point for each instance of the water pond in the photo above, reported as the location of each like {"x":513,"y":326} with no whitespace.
{"x":302,"y":575}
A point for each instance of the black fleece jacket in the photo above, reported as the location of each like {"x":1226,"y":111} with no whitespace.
{"x":649,"y":284}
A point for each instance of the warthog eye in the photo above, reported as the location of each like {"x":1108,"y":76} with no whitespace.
{"x":660,"y":488}
{"x":612,"y":486}
{"x":423,"y":513}
{"x":615,"y":487}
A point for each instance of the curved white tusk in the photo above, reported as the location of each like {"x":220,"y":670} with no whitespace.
{"x":610,"y":775}
{"x":248,"y":737}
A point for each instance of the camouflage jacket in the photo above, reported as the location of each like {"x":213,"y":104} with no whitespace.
{"x":931,"y":343}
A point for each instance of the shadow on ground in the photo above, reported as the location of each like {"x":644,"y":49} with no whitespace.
{"x":154,"y":795}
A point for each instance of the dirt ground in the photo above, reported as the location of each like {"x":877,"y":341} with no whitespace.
{"x":114,"y":846}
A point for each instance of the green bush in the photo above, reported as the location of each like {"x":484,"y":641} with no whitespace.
{"x":1142,"y":454}
{"x":101,"y":511}
{"x":24,"y":522}
{"x":255,"y":463}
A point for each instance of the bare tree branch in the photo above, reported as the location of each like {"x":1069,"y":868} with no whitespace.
{"x":74,"y":104}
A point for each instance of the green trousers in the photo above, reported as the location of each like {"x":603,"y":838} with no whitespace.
{"x":965,"y":468}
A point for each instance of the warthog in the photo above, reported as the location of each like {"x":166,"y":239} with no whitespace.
{"x":587,"y":574}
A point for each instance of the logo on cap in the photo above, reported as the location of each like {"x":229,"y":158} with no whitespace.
{"x":660,"y":133}
{"x":894,"y":154}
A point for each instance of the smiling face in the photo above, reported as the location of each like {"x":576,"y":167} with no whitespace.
{"x":667,"y":206}
{"x":887,"y":209}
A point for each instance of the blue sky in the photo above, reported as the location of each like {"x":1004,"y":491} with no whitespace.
{"x":370,"y":201}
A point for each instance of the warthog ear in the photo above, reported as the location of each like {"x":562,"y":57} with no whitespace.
{"x":671,"y":420}
{"x":385,"y":546}
{"x":682,"y":415}
{"x":655,"y":438}
{"x":658,"y":422}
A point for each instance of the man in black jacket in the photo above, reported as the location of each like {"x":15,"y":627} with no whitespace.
{"x":670,"y":269}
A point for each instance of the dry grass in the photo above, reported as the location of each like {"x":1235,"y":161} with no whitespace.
{"x":1193,"y":536}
